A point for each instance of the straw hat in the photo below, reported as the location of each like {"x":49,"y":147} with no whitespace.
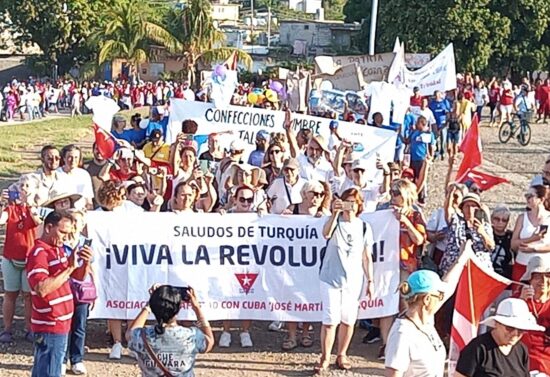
{"x":513,"y":312}
{"x":58,"y":192}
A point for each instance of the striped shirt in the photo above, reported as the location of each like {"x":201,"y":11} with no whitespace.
{"x":52,"y":313}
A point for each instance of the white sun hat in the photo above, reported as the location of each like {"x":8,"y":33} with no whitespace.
{"x":513,"y":312}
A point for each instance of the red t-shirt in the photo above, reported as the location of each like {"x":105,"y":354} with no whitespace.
{"x":119,"y":175}
{"x":20,"y":232}
{"x":538,"y":342}
{"x":416,"y":101}
{"x":494,"y":95}
{"x":507,"y":97}
{"x":408,"y":248}
{"x":52,"y":313}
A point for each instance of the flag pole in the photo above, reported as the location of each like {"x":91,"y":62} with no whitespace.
{"x":471,"y":296}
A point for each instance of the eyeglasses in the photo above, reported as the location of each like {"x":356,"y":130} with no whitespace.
{"x":319,"y":150}
{"x":440,"y":295}
{"x":395,"y":192}
{"x":513,"y":329}
{"x":246,"y":200}
{"x":317,"y":194}
{"x":500,"y":219}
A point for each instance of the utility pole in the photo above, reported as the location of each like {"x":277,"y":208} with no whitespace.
{"x":372,"y":35}
{"x":252,"y":24}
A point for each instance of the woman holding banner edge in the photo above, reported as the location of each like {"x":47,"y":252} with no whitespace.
{"x":347,"y":260}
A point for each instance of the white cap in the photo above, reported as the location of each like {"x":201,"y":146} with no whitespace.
{"x":237,"y":145}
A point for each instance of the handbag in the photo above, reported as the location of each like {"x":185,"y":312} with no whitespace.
{"x":84,"y":292}
{"x":153,"y":356}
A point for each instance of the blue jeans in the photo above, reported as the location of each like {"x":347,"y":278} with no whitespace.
{"x":49,"y":350}
{"x":77,"y":336}
{"x":442,"y":141}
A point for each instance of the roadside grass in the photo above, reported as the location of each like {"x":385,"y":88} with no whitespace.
{"x":20,"y":144}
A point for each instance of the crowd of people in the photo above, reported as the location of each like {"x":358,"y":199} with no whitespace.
{"x":289,"y":173}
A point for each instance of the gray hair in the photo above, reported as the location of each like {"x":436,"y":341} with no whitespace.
{"x":501,"y":209}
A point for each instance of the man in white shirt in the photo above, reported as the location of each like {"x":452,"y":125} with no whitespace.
{"x":314,"y":165}
{"x":427,"y":113}
{"x":371,"y":191}
{"x":285,"y":190}
{"x":74,"y":177}
{"x":47,"y":174}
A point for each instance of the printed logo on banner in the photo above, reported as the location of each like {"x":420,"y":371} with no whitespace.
{"x":246,"y":281}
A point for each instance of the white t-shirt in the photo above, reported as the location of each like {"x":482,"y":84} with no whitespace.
{"x":320,"y":172}
{"x":437,"y":223}
{"x":480,"y":96}
{"x":428,"y":114}
{"x":79,"y":181}
{"x":414,"y":352}
{"x":282,"y":197}
{"x":371,"y":193}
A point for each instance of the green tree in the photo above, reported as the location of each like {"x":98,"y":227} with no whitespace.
{"x":129,"y":32}
{"x":60,"y":28}
{"x":488,"y":35}
{"x":198,"y":38}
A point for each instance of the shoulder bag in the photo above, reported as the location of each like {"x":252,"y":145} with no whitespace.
{"x":153,"y":356}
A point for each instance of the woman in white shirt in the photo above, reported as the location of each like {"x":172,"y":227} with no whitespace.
{"x":414,"y":348}
{"x":531,"y":231}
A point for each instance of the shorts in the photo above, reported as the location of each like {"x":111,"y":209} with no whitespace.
{"x":453,"y":137}
{"x":506,"y":109}
{"x":340,"y":305}
{"x":15,"y":277}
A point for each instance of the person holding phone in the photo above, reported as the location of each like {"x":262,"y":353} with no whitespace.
{"x":17,"y":213}
{"x":167,"y":340}
{"x":530,"y":235}
{"x":346,"y":265}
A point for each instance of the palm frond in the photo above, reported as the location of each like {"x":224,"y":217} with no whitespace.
{"x":223,"y":53}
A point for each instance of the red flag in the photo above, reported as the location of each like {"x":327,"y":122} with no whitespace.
{"x":231,"y":62}
{"x":471,"y":148}
{"x":483,"y":180}
{"x":477,"y":288}
{"x":106,"y":143}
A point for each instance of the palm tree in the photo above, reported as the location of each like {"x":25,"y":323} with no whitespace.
{"x":194,"y":29}
{"x":128,"y":33}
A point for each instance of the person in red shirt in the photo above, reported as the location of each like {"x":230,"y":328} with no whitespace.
{"x":537,"y":296}
{"x":416,"y":99}
{"x":48,"y":271}
{"x":21,"y":223}
{"x":506,"y":103}
{"x":544,"y":100}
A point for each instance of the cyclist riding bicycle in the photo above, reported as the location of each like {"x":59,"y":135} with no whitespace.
{"x":523,"y":104}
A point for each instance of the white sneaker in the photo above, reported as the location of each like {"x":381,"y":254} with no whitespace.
{"x":246,"y":341}
{"x":79,"y":368}
{"x":275,"y":326}
{"x":116,"y":351}
{"x":225,"y":340}
{"x":63,"y":369}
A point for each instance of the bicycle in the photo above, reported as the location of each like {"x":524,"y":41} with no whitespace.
{"x":509,"y":129}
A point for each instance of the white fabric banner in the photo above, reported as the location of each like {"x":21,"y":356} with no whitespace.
{"x":438,"y":74}
{"x":246,"y":121}
{"x":241,"y":266}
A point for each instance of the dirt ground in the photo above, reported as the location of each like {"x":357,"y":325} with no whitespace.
{"x":516,"y":163}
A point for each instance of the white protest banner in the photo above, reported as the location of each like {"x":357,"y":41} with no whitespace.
{"x":415,"y":61}
{"x":438,"y":74}
{"x":374,"y":67}
{"x":348,"y":77}
{"x":245,"y":122}
{"x":241,"y":266}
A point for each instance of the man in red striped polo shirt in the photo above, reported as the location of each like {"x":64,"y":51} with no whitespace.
{"x":48,"y":272}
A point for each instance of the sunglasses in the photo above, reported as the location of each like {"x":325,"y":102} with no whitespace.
{"x":317,"y":194}
{"x":237,"y":151}
{"x":275,"y":151}
{"x":246,"y":200}
{"x":359,"y":170}
{"x":395,"y":192}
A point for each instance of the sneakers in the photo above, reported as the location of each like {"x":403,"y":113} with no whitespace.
{"x":372,"y":336}
{"x":63,"y":369}
{"x":225,"y":340}
{"x":6,"y":337}
{"x":382,"y":352}
{"x":275,"y":326}
{"x":246,"y":341}
{"x":78,"y":368}
{"x":116,"y":351}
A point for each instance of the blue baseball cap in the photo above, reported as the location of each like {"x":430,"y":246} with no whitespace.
{"x":262,"y":134}
{"x":425,"y":281}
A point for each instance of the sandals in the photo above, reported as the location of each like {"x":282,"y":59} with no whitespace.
{"x":321,"y":367}
{"x":289,"y":344}
{"x":343,"y":362}
{"x":306,"y":341}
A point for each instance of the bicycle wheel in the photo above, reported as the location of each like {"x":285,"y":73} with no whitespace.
{"x":524,"y":136}
{"x":505,"y":132}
